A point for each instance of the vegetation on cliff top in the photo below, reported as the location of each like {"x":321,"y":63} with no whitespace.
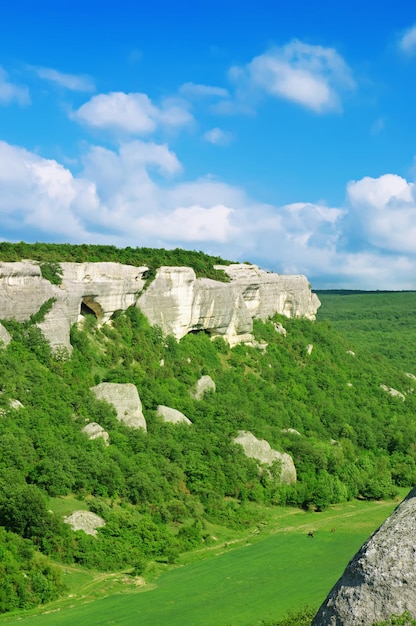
{"x":51,"y":254}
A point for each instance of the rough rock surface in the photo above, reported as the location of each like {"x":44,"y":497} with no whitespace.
{"x":101,"y":288}
{"x":86,"y":521}
{"x":95,"y":431}
{"x":180,"y":303}
{"x":126,"y":401}
{"x":380,"y":580}
{"x":204,"y":384}
{"x":260,"y":450}
{"x":5,"y":337}
{"x":393,"y":392}
{"x":172,"y":415}
{"x":268,"y":293}
{"x":176,"y":300}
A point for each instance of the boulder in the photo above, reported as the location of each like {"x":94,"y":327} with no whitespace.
{"x":172,"y":415}
{"x":126,"y":401}
{"x":380,"y":580}
{"x":5,"y":337}
{"x":86,"y":521}
{"x":260,"y":450}
{"x":204,"y":384}
{"x":393,"y":392}
{"x":95,"y":431}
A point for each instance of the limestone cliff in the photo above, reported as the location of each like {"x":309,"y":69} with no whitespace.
{"x":176,"y":300}
{"x":381,"y":578}
{"x":180,"y":303}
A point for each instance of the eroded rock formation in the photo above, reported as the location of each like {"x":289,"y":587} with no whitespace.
{"x":125,"y":399}
{"x":95,"y":431}
{"x":172,"y":415}
{"x":380,"y":580}
{"x":176,"y":300}
{"x":86,"y":521}
{"x":5,"y":338}
{"x":203,"y":386}
{"x":260,"y":450}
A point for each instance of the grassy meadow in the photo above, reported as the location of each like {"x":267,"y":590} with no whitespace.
{"x":383,"y":322}
{"x":257,"y":577}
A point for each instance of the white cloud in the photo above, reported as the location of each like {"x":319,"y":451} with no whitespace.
{"x":193,"y":89}
{"x":407,"y":42}
{"x":132,"y":197}
{"x":218,"y":137}
{"x":74,"y":82}
{"x":384,"y":208}
{"x":9,"y":92}
{"x":41,"y":194}
{"x":132,"y":112}
{"x":312,"y":76}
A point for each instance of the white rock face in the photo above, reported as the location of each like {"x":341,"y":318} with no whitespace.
{"x":172,"y":415}
{"x":5,"y":337}
{"x":260,"y":450}
{"x":176,"y":300}
{"x":126,"y":401}
{"x":180,"y":303}
{"x":203,"y":386}
{"x":95,"y":431}
{"x":102,"y":288}
{"x":86,"y":521}
{"x":393,"y":392}
{"x":381,"y":578}
{"x":268,"y":293}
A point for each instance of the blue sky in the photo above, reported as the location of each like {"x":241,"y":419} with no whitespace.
{"x":280,"y":133}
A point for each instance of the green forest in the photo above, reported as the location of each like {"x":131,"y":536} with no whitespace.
{"x":159,"y":490}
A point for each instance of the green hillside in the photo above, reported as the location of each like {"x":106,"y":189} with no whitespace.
{"x":162,"y":493}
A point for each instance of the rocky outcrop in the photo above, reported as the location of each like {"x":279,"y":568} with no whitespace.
{"x":180,"y":303}
{"x":380,"y":580}
{"x":5,"y":338}
{"x":176,"y":300}
{"x":125,"y":399}
{"x":86,"y":521}
{"x":203,"y":386}
{"x":393,"y":392}
{"x":97,"y":288}
{"x":268,"y":293}
{"x":95,"y":431}
{"x":260,"y":450}
{"x":172,"y":415}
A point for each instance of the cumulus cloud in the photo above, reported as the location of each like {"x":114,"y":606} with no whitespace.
{"x":384,"y":208}
{"x":136,"y":195}
{"x":10,"y":92}
{"x":41,"y":194}
{"x":407,"y":42}
{"x":132,"y":112}
{"x":73,"y":82}
{"x":218,"y":137}
{"x":311,"y":76}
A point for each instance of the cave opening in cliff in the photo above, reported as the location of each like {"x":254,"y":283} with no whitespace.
{"x":197,"y":331}
{"x":90,"y":307}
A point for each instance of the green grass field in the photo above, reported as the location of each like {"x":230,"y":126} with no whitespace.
{"x":383,"y":322}
{"x":257,"y":577}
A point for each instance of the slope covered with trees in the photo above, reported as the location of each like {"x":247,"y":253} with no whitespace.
{"x":158,"y":490}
